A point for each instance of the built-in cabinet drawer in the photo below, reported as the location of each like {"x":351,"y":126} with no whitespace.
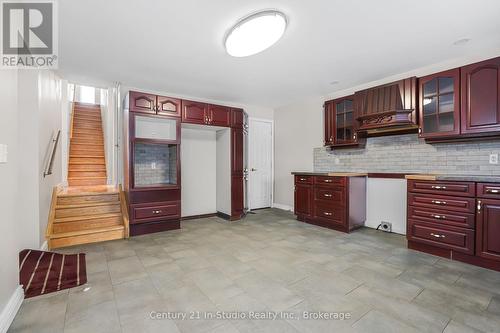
{"x":334,"y":214}
{"x":330,"y":195}
{"x":329,"y":181}
{"x":299,"y":179}
{"x":462,"y":189}
{"x":442,"y":217}
{"x":159,"y":211}
{"x":488,"y":190}
{"x":457,"y":204}
{"x":457,"y":239}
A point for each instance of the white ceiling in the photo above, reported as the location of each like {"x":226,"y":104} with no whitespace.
{"x":177,"y":46}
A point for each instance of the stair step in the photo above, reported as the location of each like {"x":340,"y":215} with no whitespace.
{"x":87,"y":140}
{"x":87,"y":217}
{"x":87,"y":209}
{"x":86,"y":117}
{"x":86,"y":145}
{"x":87,"y":181}
{"x":59,"y":228}
{"x":87,"y":167}
{"x":84,"y":127}
{"x":86,"y":236}
{"x":87,"y":153}
{"x":66,"y":200}
{"x":83,"y":173}
{"x":86,"y":160}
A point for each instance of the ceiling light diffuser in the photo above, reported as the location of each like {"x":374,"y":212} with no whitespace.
{"x":255,"y":33}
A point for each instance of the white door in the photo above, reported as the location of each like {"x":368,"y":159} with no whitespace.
{"x":260,"y":156}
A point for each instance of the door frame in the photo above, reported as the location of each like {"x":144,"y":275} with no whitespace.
{"x":269,"y":121}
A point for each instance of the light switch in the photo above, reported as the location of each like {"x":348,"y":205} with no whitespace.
{"x":3,"y":153}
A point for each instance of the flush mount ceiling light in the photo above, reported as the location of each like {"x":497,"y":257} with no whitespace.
{"x":255,"y":33}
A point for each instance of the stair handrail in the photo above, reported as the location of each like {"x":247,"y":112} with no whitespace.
{"x":50,"y":166}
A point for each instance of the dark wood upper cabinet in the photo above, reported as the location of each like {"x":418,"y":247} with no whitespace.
{"x":329,"y":124}
{"x":141,"y":102}
{"x":440,"y":104}
{"x":481,"y":97}
{"x":237,"y":118}
{"x":219,"y":115}
{"x":488,"y":229}
{"x":344,"y":122}
{"x":194,"y":112}
{"x":168,"y":106}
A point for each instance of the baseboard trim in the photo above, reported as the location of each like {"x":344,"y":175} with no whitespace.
{"x":282,"y":207}
{"x":10,"y":310}
{"x":44,"y":246}
{"x":194,"y":217}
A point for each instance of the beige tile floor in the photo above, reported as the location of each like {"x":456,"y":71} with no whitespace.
{"x":268,"y":263}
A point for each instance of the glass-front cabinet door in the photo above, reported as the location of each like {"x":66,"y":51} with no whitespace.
{"x":439,"y":104}
{"x":344,"y":120}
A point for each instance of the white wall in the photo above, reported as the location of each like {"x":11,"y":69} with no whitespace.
{"x":198,"y":170}
{"x":298,"y":128}
{"x":386,"y":201}
{"x":31,"y":113}
{"x":50,"y":101}
{"x":223,"y":172}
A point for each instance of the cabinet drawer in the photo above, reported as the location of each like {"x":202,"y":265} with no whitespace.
{"x":442,"y":217}
{"x":327,"y":180}
{"x":333,"y":195}
{"x":334,"y":214}
{"x":303,"y":179}
{"x":462,"y":189}
{"x":167,"y":210}
{"x":452,"y":238}
{"x":441,"y":202}
{"x":488,"y":190}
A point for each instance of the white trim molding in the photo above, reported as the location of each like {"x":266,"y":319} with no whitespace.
{"x":44,"y":246}
{"x":282,"y":207}
{"x":10,"y":310}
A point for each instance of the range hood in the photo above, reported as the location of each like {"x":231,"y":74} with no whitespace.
{"x":388,"y":109}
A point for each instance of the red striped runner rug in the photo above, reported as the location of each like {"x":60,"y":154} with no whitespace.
{"x":43,"y":272}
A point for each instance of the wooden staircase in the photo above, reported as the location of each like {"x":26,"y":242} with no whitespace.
{"x":87,"y":164}
{"x":86,"y":214}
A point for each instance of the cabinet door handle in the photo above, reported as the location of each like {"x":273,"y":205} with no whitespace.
{"x":156,"y":211}
{"x":479,"y":206}
{"x":327,"y":195}
{"x":302,"y":179}
{"x":437,"y":235}
{"x":490,"y":190}
{"x":328,"y":180}
{"x":327,"y":214}
{"x":437,"y":202}
{"x":437,"y":187}
{"x":439,"y":217}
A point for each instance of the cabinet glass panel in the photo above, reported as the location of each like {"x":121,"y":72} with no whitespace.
{"x":446,"y":104}
{"x":430,"y":106}
{"x":155,"y":165}
{"x":445,"y":85}
{"x":430,"y":88}
{"x":155,"y":128}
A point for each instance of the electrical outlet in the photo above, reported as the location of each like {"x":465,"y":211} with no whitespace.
{"x":385,"y":226}
{"x":3,"y":153}
{"x":494,"y":158}
{"x":153,"y":165}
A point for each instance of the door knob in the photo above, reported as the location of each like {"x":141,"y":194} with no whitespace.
{"x":253,"y":169}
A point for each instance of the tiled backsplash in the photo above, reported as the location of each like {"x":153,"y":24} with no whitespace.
{"x":165,"y":159}
{"x":408,"y":153}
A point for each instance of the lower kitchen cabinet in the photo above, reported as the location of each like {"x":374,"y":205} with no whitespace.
{"x":455,"y":220}
{"x":334,"y":202}
{"x":488,"y":229}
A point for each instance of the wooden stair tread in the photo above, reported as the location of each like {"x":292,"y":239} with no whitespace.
{"x":89,"y":156}
{"x":88,"y":163}
{"x":86,"y":217}
{"x":90,"y":204}
{"x":87,"y":231}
